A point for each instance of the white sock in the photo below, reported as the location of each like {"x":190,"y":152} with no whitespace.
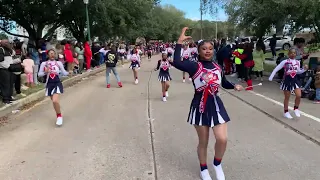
{"x":167,"y":94}
{"x":205,"y":175}
{"x":219,"y":172}
{"x":287,"y":115}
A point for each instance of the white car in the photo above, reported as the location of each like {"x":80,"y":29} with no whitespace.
{"x":283,"y":42}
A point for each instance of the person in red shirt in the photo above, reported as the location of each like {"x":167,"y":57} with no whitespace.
{"x":87,"y":54}
{"x":68,"y":57}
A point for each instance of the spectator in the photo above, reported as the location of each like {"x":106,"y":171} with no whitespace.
{"x":96,"y":55}
{"x":69,"y":58}
{"x":80,"y":55}
{"x":272,"y":44}
{"x":16,"y":69}
{"x":87,"y":55}
{"x":28,"y":65}
{"x":32,"y":51}
{"x":6,"y":85}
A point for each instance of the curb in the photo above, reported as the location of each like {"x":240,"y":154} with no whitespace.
{"x":7,"y":109}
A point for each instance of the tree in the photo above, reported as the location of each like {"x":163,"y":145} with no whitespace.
{"x":32,"y":15}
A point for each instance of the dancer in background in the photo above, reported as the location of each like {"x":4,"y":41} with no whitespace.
{"x":54,"y":87}
{"x":164,"y":75}
{"x":185,"y":55}
{"x":290,"y":82}
{"x":135,"y":64}
{"x":207,"y":109}
{"x":169,"y":52}
{"x":194,"y":52}
{"x":122,"y":53}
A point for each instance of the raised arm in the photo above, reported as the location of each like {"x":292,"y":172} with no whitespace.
{"x":280,"y":66}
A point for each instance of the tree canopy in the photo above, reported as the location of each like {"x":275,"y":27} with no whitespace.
{"x":258,"y":16}
{"x":125,"y":19}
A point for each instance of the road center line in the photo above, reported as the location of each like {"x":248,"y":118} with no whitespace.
{"x":281,"y":104}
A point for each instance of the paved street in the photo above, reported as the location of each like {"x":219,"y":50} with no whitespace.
{"x":107,"y":135}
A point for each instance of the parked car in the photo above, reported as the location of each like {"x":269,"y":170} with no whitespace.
{"x":283,"y":42}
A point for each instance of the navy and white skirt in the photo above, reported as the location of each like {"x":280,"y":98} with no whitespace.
{"x":289,"y":83}
{"x":54,"y":88}
{"x":213,"y":115}
{"x":164,"y":77}
{"x":134,"y":65}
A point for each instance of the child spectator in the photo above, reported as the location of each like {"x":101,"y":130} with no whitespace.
{"x":28,"y":65}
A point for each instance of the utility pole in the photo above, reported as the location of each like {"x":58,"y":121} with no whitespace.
{"x":201,"y":13}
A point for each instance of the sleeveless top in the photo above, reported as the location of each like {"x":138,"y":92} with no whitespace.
{"x":208,"y":82}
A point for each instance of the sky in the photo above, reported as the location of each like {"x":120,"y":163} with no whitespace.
{"x":191,"y":8}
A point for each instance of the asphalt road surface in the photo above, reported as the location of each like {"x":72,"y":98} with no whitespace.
{"x":130,"y":134}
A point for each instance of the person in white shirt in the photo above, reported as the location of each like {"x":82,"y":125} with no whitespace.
{"x":185,"y":56}
{"x":170,"y":52}
{"x":135,"y":64}
{"x":290,"y":82}
{"x":122,"y":52}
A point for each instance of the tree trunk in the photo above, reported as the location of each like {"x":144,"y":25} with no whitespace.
{"x":279,"y":28}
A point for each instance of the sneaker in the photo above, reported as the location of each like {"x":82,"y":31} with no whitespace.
{"x":317,"y":102}
{"x":167,"y":94}
{"x":287,"y":115}
{"x":190,"y":79}
{"x":219,"y":172}
{"x":184,"y":80}
{"x":205,"y":175}
{"x":164,"y":99}
{"x":297,"y":112}
{"x":108,"y":85}
{"x":119,"y":84}
{"x":59,"y":121}
{"x":136,"y":81}
{"x":7,"y":102}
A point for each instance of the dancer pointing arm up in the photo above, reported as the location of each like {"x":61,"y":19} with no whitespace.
{"x":207,"y":110}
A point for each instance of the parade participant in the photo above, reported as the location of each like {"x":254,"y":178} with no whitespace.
{"x":185,"y":56}
{"x":194,"y":52}
{"x":290,"y":81}
{"x":170,"y":52}
{"x":122,"y":52}
{"x":149,"y":52}
{"x":111,"y":60}
{"x":135,"y":64}
{"x":54,"y":87}
{"x":164,"y":75}
{"x":207,"y":109}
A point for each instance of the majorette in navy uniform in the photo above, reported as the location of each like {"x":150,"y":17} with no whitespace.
{"x":164,"y":75}
{"x":170,"y":52}
{"x":194,"y":53}
{"x":135,"y":64}
{"x":290,"y":81}
{"x":206,"y":109}
{"x":185,"y":56}
{"x":52,"y":69}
